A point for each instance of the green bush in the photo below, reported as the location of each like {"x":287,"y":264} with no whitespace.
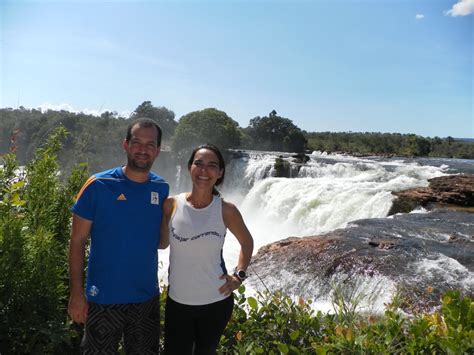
{"x":34,"y":234}
{"x":277,"y":324}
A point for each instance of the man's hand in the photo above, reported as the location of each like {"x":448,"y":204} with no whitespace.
{"x":78,"y":308}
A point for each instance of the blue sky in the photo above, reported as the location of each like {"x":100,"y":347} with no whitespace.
{"x":342,"y":65}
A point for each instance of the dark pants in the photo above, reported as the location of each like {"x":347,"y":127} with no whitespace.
{"x":195,"y":329}
{"x":139,"y":323}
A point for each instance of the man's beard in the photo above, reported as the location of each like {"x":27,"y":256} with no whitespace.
{"x":139,"y":165}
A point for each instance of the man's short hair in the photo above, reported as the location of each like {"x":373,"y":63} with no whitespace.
{"x":144,"y":123}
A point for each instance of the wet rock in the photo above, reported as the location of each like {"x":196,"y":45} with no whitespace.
{"x":455,"y":190}
{"x":410,"y":252}
{"x":300,"y":158}
{"x":234,"y":154}
{"x":382,"y":244}
{"x":282,"y":167}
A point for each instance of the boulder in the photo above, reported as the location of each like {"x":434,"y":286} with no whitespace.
{"x":457,"y":190}
{"x":422,"y":255}
{"x":300,"y":158}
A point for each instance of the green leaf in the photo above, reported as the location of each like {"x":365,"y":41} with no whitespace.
{"x":17,"y":185}
{"x":17,"y":201}
{"x":294,"y":335}
{"x":283,"y":348}
{"x":252,"y":302}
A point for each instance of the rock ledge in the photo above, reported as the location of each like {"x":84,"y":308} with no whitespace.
{"x":455,"y":190}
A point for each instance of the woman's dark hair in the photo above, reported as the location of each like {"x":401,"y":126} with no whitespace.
{"x":220,"y":159}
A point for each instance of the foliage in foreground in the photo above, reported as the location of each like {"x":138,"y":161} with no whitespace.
{"x":276,"y":324}
{"x":34,"y":235}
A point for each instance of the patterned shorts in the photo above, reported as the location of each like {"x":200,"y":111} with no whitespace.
{"x":138,"y":323}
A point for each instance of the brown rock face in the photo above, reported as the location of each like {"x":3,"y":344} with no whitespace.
{"x":452,"y":190}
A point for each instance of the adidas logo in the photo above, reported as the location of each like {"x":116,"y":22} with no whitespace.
{"x":121,"y":198}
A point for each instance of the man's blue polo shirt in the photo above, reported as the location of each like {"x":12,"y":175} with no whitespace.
{"x":125,"y":234}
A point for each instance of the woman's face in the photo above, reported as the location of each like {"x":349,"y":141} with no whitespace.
{"x":205,"y":169}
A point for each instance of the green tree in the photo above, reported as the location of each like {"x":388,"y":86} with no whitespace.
{"x":206,"y":126}
{"x":273,"y":132}
{"x":163,"y":116}
{"x":417,"y":146}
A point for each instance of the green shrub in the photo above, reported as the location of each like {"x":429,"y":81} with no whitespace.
{"x":277,"y":324}
{"x":34,"y":234}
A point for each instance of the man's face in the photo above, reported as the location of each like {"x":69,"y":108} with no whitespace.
{"x":142,"y":148}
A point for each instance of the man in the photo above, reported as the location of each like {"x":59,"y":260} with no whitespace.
{"x":121,"y":210}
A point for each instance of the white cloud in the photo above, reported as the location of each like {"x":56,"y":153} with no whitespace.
{"x":461,"y":8}
{"x":66,"y":107}
{"x":47,"y":106}
{"x":419,"y":16}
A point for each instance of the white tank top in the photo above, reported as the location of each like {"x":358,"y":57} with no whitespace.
{"x":196,"y":262}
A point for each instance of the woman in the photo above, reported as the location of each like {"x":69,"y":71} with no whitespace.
{"x":200,"y":300}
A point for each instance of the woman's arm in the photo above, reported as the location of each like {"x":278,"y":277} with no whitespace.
{"x":168,"y":206}
{"x":235,"y":223}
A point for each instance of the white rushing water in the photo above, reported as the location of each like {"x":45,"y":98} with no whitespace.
{"x":446,"y":269}
{"x":326,"y":193}
{"x":329,"y":192}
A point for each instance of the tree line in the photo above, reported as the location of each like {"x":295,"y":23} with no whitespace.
{"x":391,"y":144}
{"x":97,"y":140}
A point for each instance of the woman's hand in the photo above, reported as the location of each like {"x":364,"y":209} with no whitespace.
{"x":231,"y":283}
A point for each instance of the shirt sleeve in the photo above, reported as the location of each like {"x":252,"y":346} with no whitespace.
{"x":167,"y":191}
{"x":85,"y":205}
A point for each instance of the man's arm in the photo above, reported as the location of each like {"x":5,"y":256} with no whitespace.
{"x":168,"y":207}
{"x":78,"y":305}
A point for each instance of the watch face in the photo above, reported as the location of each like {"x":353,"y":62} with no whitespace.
{"x":242,"y":274}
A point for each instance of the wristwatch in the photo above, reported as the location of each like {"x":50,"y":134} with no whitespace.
{"x":240,"y":274}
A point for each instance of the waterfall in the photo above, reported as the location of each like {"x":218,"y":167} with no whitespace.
{"x":329,"y":192}
{"x":325,"y":193}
